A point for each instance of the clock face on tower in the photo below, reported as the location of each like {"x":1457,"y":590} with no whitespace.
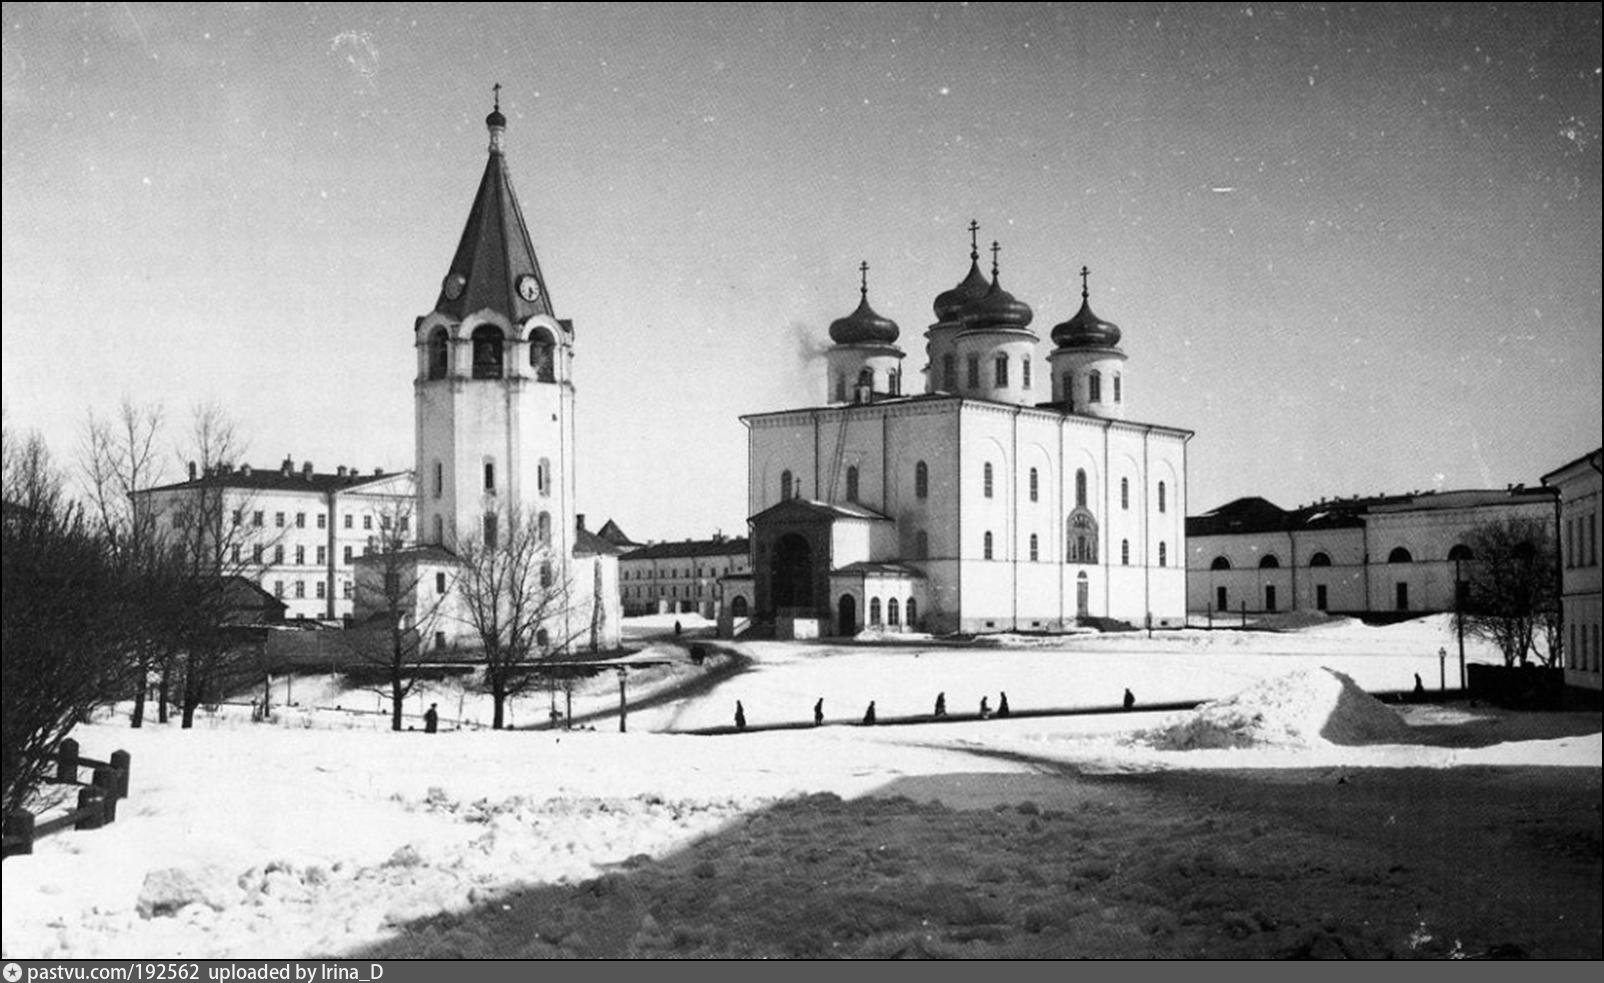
{"x":454,"y":284}
{"x":529,"y":288}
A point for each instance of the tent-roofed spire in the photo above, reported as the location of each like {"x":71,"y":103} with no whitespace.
{"x":495,"y":265}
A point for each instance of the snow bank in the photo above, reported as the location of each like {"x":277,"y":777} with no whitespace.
{"x":1303,"y":708}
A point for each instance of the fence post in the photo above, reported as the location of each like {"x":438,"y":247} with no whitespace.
{"x":89,"y":805}
{"x":19,"y":826}
{"x":106,"y":782}
{"x":67,"y":762}
{"x":121,"y":760}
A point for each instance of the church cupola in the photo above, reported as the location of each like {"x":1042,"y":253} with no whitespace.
{"x":942,"y":370}
{"x":995,"y":348}
{"x":865,"y":361}
{"x":1088,"y":366}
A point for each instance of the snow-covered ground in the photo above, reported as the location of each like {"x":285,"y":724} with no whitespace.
{"x":317,"y":837}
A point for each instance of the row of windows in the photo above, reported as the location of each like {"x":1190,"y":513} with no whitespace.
{"x":681,"y":572}
{"x":491,"y":526}
{"x":1270,"y":561}
{"x":866,"y":378}
{"x":258,"y":518}
{"x":259,"y":554}
{"x":696,"y":590}
{"x":542,"y":478}
{"x":489,"y":353}
{"x":1581,"y":541}
{"x":921,"y":485}
{"x":298,"y":589}
{"x":1222,"y":598}
{"x":893,"y":616}
{"x":1081,"y":548}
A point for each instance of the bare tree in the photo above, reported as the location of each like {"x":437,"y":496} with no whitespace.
{"x":407,"y":605}
{"x":1511,"y":588}
{"x":516,"y":596}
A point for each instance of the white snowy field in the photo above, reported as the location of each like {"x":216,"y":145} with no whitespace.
{"x":311,"y":838}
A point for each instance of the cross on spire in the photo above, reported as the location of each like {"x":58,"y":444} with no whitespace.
{"x":863,"y":271}
{"x":974,"y":241}
{"x":995,"y":249}
{"x":496,"y":89}
{"x":1084,"y":275}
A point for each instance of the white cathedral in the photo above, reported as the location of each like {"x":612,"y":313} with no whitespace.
{"x":494,"y":400}
{"x":1008,"y":496}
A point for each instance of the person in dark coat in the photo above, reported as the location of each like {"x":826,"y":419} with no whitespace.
{"x":941,"y":704}
{"x":740,"y":716}
{"x":431,"y":719}
{"x":1420,"y":688}
{"x":1002,"y":705}
{"x":1130,"y":699}
{"x":676,"y":628}
{"x":985,"y":708}
{"x":818,"y":712}
{"x":868,"y":715}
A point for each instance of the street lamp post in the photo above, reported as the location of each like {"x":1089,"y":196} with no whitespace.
{"x":1459,"y":619}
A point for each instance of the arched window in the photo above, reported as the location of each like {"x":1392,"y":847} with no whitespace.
{"x":985,"y":479}
{"x":1320,"y":560}
{"x":1094,"y":387}
{"x":542,"y":638}
{"x":1220,"y":563}
{"x":1461,"y":552}
{"x":1124,"y":552}
{"x":1269,"y":561}
{"x":439,"y":479}
{"x":893,"y":612}
{"x":1080,"y":488}
{"x":913,"y":613}
{"x":1163,"y":503}
{"x":1024,"y":371}
{"x":785,"y":485}
{"x":974,"y":371}
{"x":949,"y":372}
{"x":738,"y":606}
{"x":490,"y":530}
{"x":894,"y":382}
{"x":1125,"y":493}
{"x":1069,"y":391}
{"x":1002,"y":370}
{"x":1399,"y":555}
{"x":543,"y":529}
{"x":1116,"y":387}
{"x":542,"y":356}
{"x":986,"y":546}
{"x":1082,"y":545}
{"x":487,"y":352}
{"x":1033,"y":548}
{"x":841,"y":387}
{"x":874,"y":610}
{"x":921,"y":480}
{"x":852,"y":483}
{"x":439,"y":354}
{"x":921,"y":545}
{"x":1035,"y":486}
{"x":543,"y":476}
{"x":866,"y":377}
{"x":1163,"y":554}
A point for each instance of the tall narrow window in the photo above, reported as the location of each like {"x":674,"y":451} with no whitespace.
{"x":974,"y":372}
{"x":490,"y":476}
{"x":543,"y":476}
{"x":1094,"y":387}
{"x":542,"y":356}
{"x":1124,"y":552}
{"x":1117,"y":394}
{"x":1080,"y":488}
{"x":985,"y":479}
{"x":841,"y":387}
{"x":487,"y":353}
{"x":921,"y":480}
{"x":921,"y":545}
{"x":785,"y":485}
{"x":1125,"y":493}
{"x":490,"y":530}
{"x":1163,"y":501}
{"x":852,"y":483}
{"x":874,"y":610}
{"x":949,"y":372}
{"x":439,"y":347}
{"x":1035,"y":486}
{"x":1035,"y":550}
{"x":543,"y":529}
{"x":1024,"y":372}
{"x":893,"y":612}
{"x":986,"y":545}
{"x":1002,"y":371}
{"x":1163,"y":554}
{"x":913,"y":613}
{"x":439,"y":583}
{"x":439,"y":529}
{"x":1069,"y":391}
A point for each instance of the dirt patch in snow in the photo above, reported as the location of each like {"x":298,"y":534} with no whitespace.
{"x":1301,"y":708}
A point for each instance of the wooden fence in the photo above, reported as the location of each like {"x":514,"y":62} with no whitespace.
{"x":97,"y":798}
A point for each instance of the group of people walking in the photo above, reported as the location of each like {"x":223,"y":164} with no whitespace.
{"x":870,"y":715}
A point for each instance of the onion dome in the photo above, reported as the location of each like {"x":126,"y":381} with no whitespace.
{"x":998,"y":308}
{"x":863,"y":326}
{"x":1086,"y":329}
{"x":950,"y":304}
{"x":495,"y":120}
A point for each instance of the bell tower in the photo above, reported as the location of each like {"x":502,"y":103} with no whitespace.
{"x":494,"y":395}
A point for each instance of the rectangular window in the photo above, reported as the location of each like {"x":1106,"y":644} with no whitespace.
{"x":322,"y":555}
{"x":346,"y":589}
{"x":278,"y":554}
{"x":1024,"y":372}
{"x":239,"y":517}
{"x":1002,"y":371}
{"x":300,"y":555}
{"x":490,"y":530}
{"x":278,"y":588}
{"x":974,"y":372}
{"x":1269,"y":597}
{"x":384,"y":521}
{"x":347,"y":554}
{"x":1402,"y":599}
{"x":256,"y":518}
{"x":439,"y":640}
{"x":367,"y":522}
{"x":300,"y":520}
{"x":278,"y":519}
{"x":1221,"y":601}
{"x":439,"y":479}
{"x":256,"y":554}
{"x":300,"y":588}
{"x":490,"y":476}
{"x":439,"y":583}
{"x":1116,"y":387}
{"x":322,"y":520}
{"x":405,"y":521}
{"x":348,"y":521}
{"x":1320,"y":596}
{"x":322,"y":590}
{"x":233,"y":554}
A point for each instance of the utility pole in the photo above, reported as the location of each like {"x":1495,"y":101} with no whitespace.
{"x":1459,"y":620}
{"x":623,"y":709}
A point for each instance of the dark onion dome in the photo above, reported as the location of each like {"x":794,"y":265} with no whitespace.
{"x":495,"y":120}
{"x":998,"y":309}
{"x":950,"y":304}
{"x":864,"y":327}
{"x":1086,"y":330}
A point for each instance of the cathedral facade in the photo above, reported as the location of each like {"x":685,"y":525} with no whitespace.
{"x":1012,"y":494}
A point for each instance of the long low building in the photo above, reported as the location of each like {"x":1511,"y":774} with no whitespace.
{"x":663,"y":578}
{"x":1386,"y":554}
{"x":1580,"y":485}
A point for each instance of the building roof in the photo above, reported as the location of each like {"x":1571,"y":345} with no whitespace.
{"x":611,"y":532}
{"x":587,"y":543}
{"x":817,"y":509}
{"x":495,"y":255}
{"x":863,"y":326}
{"x":690,"y":548}
{"x":1058,"y":409}
{"x":286,"y":478}
{"x":1592,"y":457}
{"x":879,"y":569}
{"x":1258,"y":515}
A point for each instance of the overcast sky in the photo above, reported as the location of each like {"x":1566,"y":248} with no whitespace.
{"x":1355,"y":248}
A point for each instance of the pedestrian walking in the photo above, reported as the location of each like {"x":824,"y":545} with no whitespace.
{"x":676,"y":629}
{"x":740,"y":716}
{"x":818,"y":712}
{"x":941,"y":704}
{"x":1420,"y":689}
{"x":868,"y":715}
{"x":431,"y":719}
{"x":985,"y":708}
{"x":1130,"y":699}
{"x":1002,"y":705}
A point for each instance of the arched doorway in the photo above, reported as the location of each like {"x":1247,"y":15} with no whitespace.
{"x":738,"y":606}
{"x":847,"y":618}
{"x":791,"y":573}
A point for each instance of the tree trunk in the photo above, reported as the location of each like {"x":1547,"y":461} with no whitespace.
{"x":498,"y":698}
{"x":137,"y":719}
{"x":396,"y":697}
{"x":161,"y":698}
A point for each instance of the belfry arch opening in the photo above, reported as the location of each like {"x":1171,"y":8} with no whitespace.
{"x":791,"y":573}
{"x":487,"y":352}
{"x":542,"y":355}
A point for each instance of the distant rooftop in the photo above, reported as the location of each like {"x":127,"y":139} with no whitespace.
{"x":718,"y":546}
{"x":1254,"y":514}
{"x":286,"y":477}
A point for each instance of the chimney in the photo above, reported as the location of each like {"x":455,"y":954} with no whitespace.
{"x":306,"y":470}
{"x":288,"y":466}
{"x":192,"y":471}
{"x":340,"y":470}
{"x":378,"y":472}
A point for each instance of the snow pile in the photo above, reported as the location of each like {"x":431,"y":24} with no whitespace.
{"x":1303,"y":708}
